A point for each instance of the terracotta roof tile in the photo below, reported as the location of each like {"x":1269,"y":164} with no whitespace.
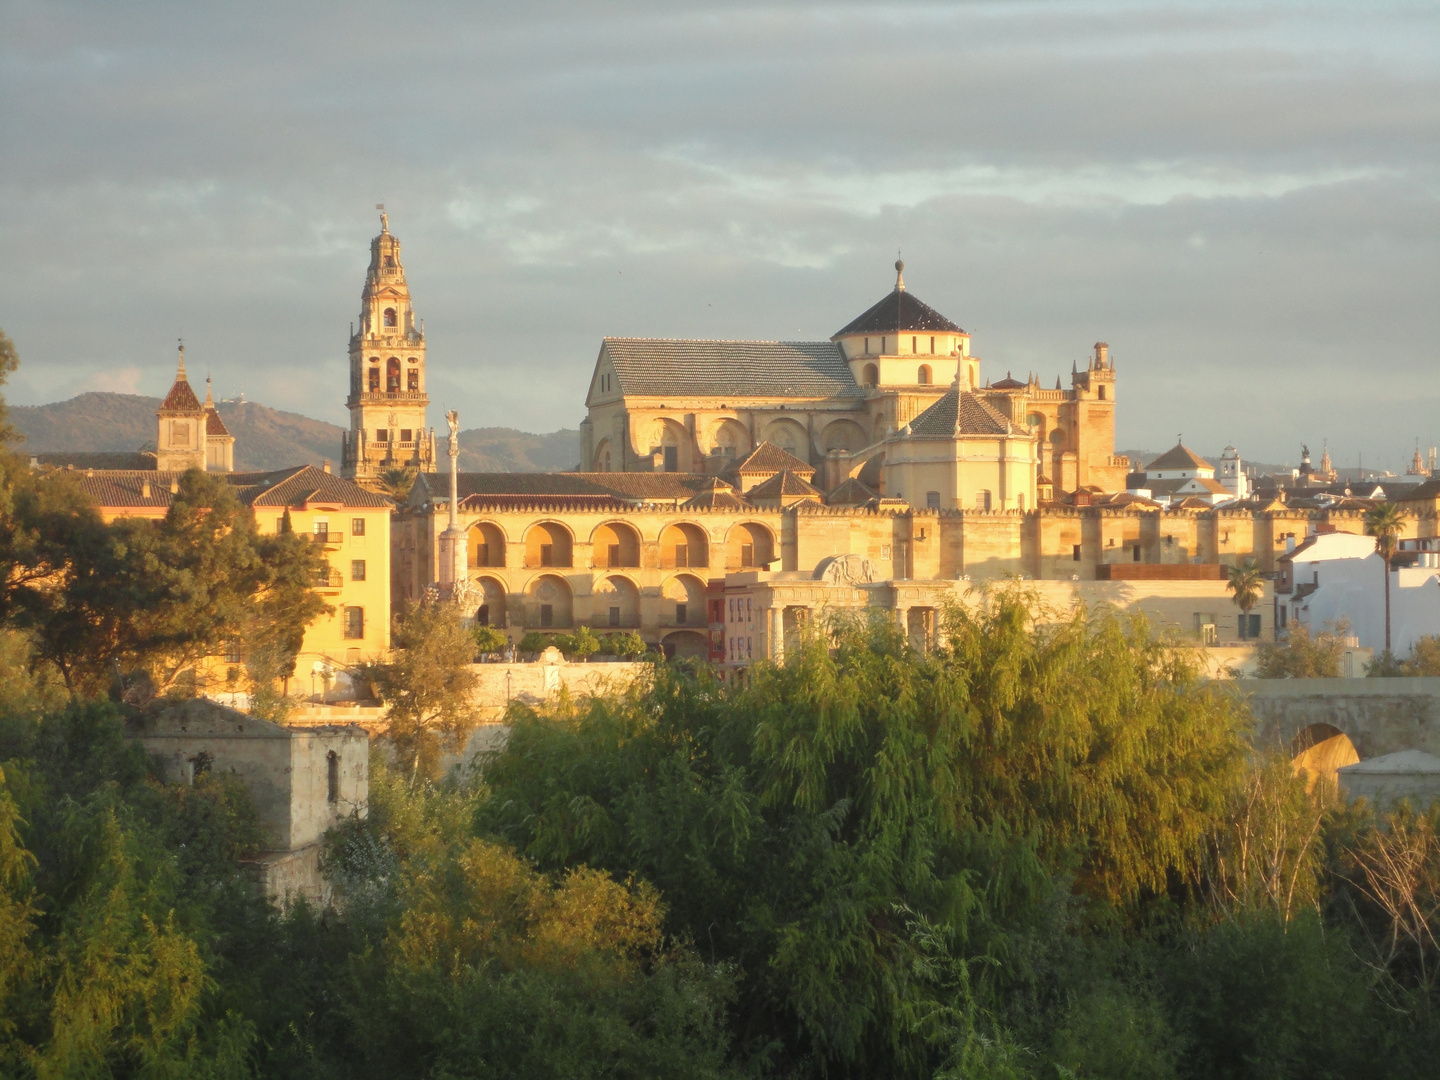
{"x":769,"y":458}
{"x":129,"y":490}
{"x":139,"y":462}
{"x":628,"y":488}
{"x":181,"y":398}
{"x":851,"y":492}
{"x":731,"y":369}
{"x":975,"y":417}
{"x":301,"y":484}
{"x":1179,"y":457}
{"x":783,"y":484}
{"x":213,"y":424}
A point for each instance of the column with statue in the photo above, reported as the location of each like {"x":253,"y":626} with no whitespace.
{"x":453,"y":576}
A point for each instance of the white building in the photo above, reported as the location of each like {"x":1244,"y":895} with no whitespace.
{"x":1336,"y":576}
{"x":1180,"y":474}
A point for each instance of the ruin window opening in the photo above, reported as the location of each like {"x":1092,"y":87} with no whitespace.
{"x":332,"y":777}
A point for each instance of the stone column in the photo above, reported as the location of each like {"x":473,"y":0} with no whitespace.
{"x":777,"y":634}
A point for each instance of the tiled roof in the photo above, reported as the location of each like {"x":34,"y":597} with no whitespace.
{"x":553,"y":502}
{"x":302,"y":484}
{"x":629,"y":488}
{"x":1007,"y":383}
{"x":731,"y":369}
{"x":134,"y":490}
{"x":213,"y":424}
{"x":900,"y":312}
{"x":181,"y":398}
{"x":1190,"y":502}
{"x":716,"y":495}
{"x":1426,"y":492}
{"x":783,"y":484}
{"x":976,"y":417}
{"x":769,"y":458}
{"x":851,"y":493}
{"x":130,"y":462}
{"x":1179,"y":457}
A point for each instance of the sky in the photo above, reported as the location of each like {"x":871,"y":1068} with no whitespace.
{"x":1242,"y":199}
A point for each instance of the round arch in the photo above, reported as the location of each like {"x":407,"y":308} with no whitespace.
{"x":925,"y":376}
{"x":491,"y":610}
{"x":683,"y":543}
{"x":749,"y":545}
{"x":668,"y":438}
{"x":789,"y":435}
{"x":604,"y":457}
{"x":548,"y":603}
{"x":685,"y":645}
{"x":727,"y":442}
{"x":615,"y":601}
{"x":548,"y":543}
{"x":615,"y":544}
{"x":486,"y":543}
{"x":1318,"y":751}
{"x":870,"y":376}
{"x":683,"y":601}
{"x":842,"y":435}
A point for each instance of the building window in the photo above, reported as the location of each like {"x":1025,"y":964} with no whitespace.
{"x":982,"y":500}
{"x":932,"y":344}
{"x":392,"y":376}
{"x":232,"y":651}
{"x":612,"y":558}
{"x":1075,"y":553}
{"x":924,"y":377}
{"x":547,"y":554}
{"x":332,"y":777}
{"x":357,"y":569}
{"x":682,"y":555}
{"x":382,"y":435}
{"x":1249,"y":627}
{"x":871,"y":375}
{"x":932,"y":500}
{"x":413,"y":383}
{"x":1134,"y":552}
{"x":547,"y":615}
{"x":322,"y":529}
{"x":867,"y":346}
{"x":354,"y":622}
{"x":913,"y":347}
{"x":389,"y":262}
{"x":389,"y":316}
{"x":406,"y":434}
{"x":614,"y":616}
{"x":1102,"y":393}
{"x":672,"y":459}
{"x":482,"y":554}
{"x":747,"y":554}
{"x":357,"y":526}
{"x":680,"y":613}
{"x":1284,"y":614}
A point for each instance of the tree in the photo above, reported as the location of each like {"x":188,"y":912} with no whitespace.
{"x":533,"y":641}
{"x":428,"y":686}
{"x":1301,"y":655}
{"x":1385,"y":523}
{"x":489,"y":639}
{"x":629,"y":644}
{"x":1246,"y":585}
{"x":584,"y":644}
{"x":397,"y":482}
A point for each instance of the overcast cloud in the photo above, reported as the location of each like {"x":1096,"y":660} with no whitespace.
{"x":1242,"y":200}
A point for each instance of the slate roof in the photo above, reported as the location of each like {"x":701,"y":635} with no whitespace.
{"x":655,"y":367}
{"x":181,"y":398}
{"x":851,"y":492}
{"x":302,"y":484}
{"x":769,"y":458}
{"x":1007,"y":383}
{"x":1179,"y":457}
{"x":138,"y":462}
{"x":900,"y":312}
{"x":976,"y":417}
{"x":126,"y":489}
{"x":783,"y":485}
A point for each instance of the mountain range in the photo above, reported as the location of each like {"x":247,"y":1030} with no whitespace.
{"x":266,"y":438}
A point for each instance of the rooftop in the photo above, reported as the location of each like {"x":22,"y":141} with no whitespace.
{"x":654,"y":367}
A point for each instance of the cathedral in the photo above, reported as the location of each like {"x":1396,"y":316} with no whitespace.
{"x":387,"y":373}
{"x":893,"y":401}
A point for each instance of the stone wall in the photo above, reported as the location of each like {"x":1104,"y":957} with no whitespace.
{"x":1380,"y":716}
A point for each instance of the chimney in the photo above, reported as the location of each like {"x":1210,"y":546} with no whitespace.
{"x":326,"y":466}
{"x":174,"y":486}
{"x":145,"y":490}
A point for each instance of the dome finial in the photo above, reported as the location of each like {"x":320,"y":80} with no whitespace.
{"x":180,"y":366}
{"x":899,"y":273}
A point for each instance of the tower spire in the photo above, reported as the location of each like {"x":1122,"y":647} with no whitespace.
{"x":899,"y":274}
{"x":180,"y":366}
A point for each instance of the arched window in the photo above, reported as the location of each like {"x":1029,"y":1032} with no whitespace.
{"x":607,"y":461}
{"x":392,"y":376}
{"x":871,"y":376}
{"x":413,"y":380}
{"x":389,"y":262}
{"x":389,"y":316}
{"x":374,"y":380}
{"x":1102,"y":393}
{"x":924,"y":378}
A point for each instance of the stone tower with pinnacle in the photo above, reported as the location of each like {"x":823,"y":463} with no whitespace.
{"x":387,"y":373}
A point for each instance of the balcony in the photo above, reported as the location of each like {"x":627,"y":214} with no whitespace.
{"x":380,"y":396}
{"x":329,"y":580}
{"x":327,"y":539}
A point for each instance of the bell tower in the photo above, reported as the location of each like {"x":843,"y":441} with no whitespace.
{"x":387,"y":373}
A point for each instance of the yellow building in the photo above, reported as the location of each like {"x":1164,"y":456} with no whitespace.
{"x":839,"y":405}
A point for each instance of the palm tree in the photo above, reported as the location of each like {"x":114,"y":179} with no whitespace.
{"x":397,"y":483}
{"x":1246,"y":585}
{"x":1385,"y":522}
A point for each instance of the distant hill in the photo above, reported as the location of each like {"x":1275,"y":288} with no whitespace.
{"x":266,"y":438}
